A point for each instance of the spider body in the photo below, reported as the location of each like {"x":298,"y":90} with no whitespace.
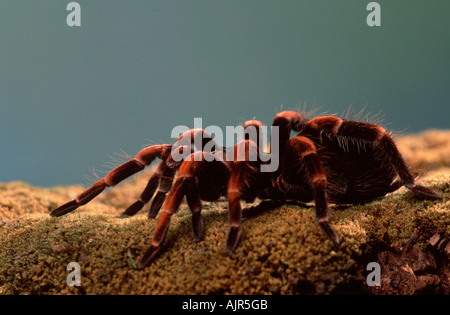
{"x":328,"y":160}
{"x":356,"y":172}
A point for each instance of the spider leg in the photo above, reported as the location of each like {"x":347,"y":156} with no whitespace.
{"x":171,"y":206}
{"x":287,"y":121}
{"x":195,"y":205}
{"x":242,"y":179}
{"x":138,"y":163}
{"x":185,"y":185}
{"x":235,"y":211}
{"x":394,"y":186}
{"x":305,"y":151}
{"x":242,"y":173}
{"x":387,"y":144}
{"x":379,"y":137}
{"x":185,"y":145}
{"x":148,"y":192}
{"x":163,"y":177}
{"x":165,"y":184}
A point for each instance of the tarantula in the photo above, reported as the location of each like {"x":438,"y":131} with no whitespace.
{"x":330,"y":160}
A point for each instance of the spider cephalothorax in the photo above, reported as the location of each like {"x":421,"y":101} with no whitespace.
{"x":328,"y":160}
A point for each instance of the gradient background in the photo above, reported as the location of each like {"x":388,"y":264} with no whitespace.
{"x":71,"y":97}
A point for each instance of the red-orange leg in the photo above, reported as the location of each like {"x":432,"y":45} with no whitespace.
{"x":287,"y":121}
{"x":149,"y":191}
{"x":185,"y":184}
{"x":243,"y":174}
{"x":164,"y":175}
{"x":170,"y":207}
{"x":165,"y":185}
{"x":235,"y":215}
{"x":138,"y":163}
{"x":195,"y":205}
{"x":305,"y":150}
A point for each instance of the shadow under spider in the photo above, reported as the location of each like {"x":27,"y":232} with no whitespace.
{"x":183,"y":227}
{"x":268,"y":205}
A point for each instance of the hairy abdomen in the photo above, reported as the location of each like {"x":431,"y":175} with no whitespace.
{"x":355,"y":171}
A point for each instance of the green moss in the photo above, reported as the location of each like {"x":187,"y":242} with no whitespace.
{"x":281,"y":247}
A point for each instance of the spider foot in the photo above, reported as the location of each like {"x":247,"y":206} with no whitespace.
{"x":330,"y":233}
{"x":233,"y":238}
{"x":425,"y":193}
{"x":64,"y":209}
{"x":132,"y":210}
{"x":149,"y":256}
{"x":157,"y":202}
{"x":197,"y":226}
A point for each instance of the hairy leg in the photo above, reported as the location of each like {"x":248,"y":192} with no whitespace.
{"x":185,"y":185}
{"x":171,"y":206}
{"x":302,"y":152}
{"x":148,"y":192}
{"x":138,"y":163}
{"x":165,"y":185}
{"x":242,"y":181}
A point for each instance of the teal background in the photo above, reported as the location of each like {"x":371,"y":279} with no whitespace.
{"x":72,"y":97}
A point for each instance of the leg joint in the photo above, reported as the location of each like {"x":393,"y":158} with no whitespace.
{"x":319,"y":181}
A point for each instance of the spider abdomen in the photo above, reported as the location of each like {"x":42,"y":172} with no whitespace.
{"x":355,"y":171}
